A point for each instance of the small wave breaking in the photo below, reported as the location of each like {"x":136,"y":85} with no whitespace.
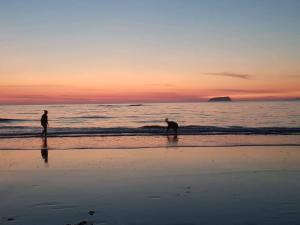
{"x":7,"y":120}
{"x":148,"y":131}
{"x":88,"y":117}
{"x":119,"y":105}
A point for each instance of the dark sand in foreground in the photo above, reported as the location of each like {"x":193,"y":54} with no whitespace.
{"x":178,"y":186}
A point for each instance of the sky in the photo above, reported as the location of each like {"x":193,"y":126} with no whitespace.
{"x":148,"y":50}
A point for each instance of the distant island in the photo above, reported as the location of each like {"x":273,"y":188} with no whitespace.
{"x":220,"y":99}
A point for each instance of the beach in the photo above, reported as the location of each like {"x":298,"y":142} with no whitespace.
{"x":172,"y":184}
{"x":114,"y":164}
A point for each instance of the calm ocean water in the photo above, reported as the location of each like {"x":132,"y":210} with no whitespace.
{"x":280,"y":117}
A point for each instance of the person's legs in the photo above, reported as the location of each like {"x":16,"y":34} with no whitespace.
{"x":45,"y":129}
{"x":44,"y":133}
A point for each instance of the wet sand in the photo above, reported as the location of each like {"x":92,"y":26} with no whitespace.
{"x":178,"y":186}
{"x":138,"y":142}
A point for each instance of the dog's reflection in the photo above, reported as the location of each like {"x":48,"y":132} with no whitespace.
{"x":44,"y":150}
{"x":172,"y":140}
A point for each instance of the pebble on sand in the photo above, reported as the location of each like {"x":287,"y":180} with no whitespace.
{"x":91,"y":212}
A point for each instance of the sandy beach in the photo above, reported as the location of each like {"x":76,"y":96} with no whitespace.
{"x":162,"y":185}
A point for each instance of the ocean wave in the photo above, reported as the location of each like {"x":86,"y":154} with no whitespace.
{"x":150,"y":147}
{"x":56,"y":106}
{"x":118,"y":106}
{"x":134,"y":105}
{"x":87,"y":117}
{"x":7,"y":120}
{"x":28,"y":113}
{"x":10,"y":128}
{"x":149,"y":121}
{"x":108,"y":105}
{"x":148,"y":131}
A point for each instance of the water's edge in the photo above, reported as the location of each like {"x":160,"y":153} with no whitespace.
{"x":150,"y":131}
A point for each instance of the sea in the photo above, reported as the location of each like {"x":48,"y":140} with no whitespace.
{"x":203,"y":118}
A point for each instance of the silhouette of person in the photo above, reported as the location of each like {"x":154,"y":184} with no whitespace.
{"x":44,"y":150}
{"x":172,"y":125}
{"x":44,"y":123}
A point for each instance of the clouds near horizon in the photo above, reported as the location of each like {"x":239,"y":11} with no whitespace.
{"x":234,"y":75}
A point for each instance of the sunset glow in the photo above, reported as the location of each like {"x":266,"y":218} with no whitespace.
{"x":148,"y":51}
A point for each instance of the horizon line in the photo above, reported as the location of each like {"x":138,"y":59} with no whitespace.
{"x":155,"y":102}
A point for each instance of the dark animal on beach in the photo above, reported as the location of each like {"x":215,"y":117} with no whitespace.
{"x":171,"y":125}
{"x":44,"y":123}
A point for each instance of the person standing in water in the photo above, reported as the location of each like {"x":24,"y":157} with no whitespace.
{"x":44,"y":123}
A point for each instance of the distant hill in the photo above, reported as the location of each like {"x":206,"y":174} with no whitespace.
{"x":220,"y":99}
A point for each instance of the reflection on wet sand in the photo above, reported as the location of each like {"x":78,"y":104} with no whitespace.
{"x":152,"y":186}
{"x":44,"y":150}
{"x":172,"y":140}
{"x":125,"y":142}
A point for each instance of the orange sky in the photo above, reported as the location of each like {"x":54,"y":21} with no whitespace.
{"x":137,"y":53}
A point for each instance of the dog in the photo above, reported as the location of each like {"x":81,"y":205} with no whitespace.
{"x":171,"y":125}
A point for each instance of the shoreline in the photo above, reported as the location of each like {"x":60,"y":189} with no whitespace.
{"x":18,"y":132}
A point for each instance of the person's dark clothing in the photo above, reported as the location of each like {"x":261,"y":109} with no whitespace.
{"x":44,"y":120}
{"x":44,"y":123}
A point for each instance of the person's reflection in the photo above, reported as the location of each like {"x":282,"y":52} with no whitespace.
{"x":44,"y":150}
{"x":172,"y":140}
